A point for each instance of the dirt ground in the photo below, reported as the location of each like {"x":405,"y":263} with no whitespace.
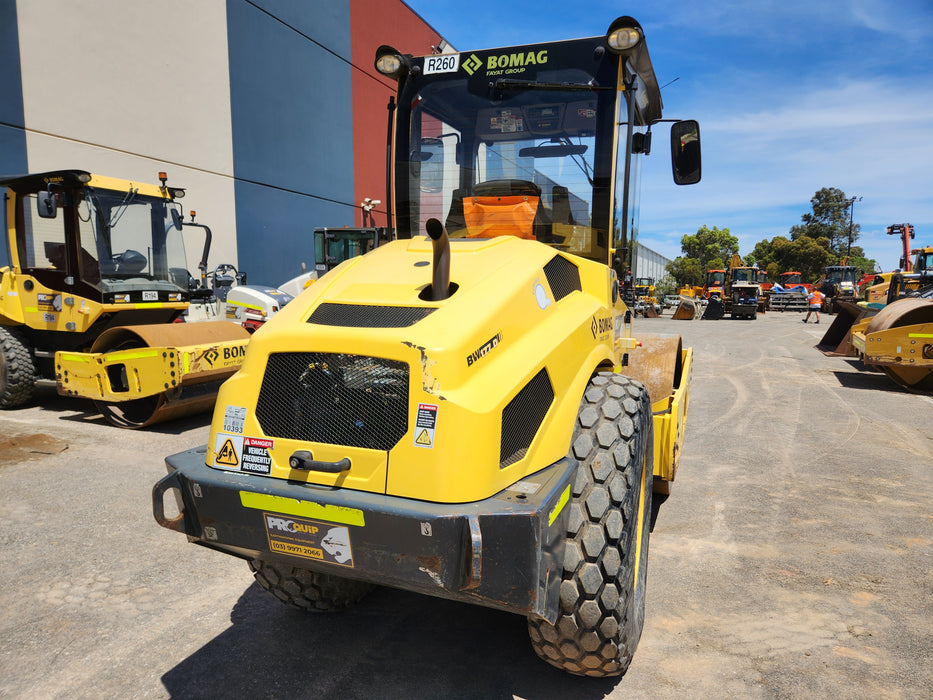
{"x":794,"y":559}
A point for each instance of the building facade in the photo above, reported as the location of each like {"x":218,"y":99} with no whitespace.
{"x":649,"y":263}
{"x":270,"y":113}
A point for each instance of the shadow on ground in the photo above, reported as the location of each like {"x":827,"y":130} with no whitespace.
{"x":78,"y":410}
{"x":860,"y":377}
{"x":394,"y":644}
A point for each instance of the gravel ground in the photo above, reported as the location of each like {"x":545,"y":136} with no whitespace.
{"x":794,"y":559}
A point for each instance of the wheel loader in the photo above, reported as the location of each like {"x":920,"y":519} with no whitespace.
{"x":465,"y":411}
{"x":97,"y":274}
{"x":741,"y":294}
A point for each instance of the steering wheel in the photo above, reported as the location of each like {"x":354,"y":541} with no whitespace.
{"x":223,"y":269}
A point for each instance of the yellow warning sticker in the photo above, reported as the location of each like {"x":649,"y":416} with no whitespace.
{"x":228,"y":450}
{"x":425,"y":425}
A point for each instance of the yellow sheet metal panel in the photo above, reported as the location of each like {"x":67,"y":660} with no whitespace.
{"x":503,"y":333}
{"x":670,"y":420}
{"x":905,"y":345}
{"x":468,"y":359}
{"x":142,"y":368}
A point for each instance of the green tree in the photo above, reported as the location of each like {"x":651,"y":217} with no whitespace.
{"x":705,"y":250}
{"x":686,"y":271}
{"x":806,"y":255}
{"x":830,"y":219}
{"x":821,"y":239}
{"x":708,"y":244}
{"x":666,"y":285}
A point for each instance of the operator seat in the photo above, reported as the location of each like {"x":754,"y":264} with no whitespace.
{"x":560,"y":206}
{"x":507,"y":207}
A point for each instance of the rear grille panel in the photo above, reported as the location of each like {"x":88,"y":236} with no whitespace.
{"x":368,"y":316}
{"x":335,"y":399}
{"x":523,"y":416}
{"x":562,"y":276}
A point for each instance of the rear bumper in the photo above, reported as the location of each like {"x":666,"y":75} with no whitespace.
{"x":504,"y":552}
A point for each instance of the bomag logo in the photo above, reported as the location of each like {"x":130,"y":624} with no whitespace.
{"x":505,"y":64}
{"x":229,"y":352}
{"x":601,"y":326}
{"x":472,"y":64}
{"x":235,"y":352}
{"x":286,"y":525}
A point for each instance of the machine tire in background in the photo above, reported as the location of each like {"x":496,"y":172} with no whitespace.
{"x":308,"y":590}
{"x":17,"y":369}
{"x":602,"y":594}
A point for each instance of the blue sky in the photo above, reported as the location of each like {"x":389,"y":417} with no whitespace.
{"x":792,"y":96}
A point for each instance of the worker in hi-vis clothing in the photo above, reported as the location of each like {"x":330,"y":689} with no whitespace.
{"x":815,"y":299}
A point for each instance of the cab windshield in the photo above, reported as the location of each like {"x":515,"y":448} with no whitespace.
{"x":841,"y":274}
{"x":125,"y":241}
{"x":529,"y":156}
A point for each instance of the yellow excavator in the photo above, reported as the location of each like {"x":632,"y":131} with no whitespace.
{"x":97,"y":275}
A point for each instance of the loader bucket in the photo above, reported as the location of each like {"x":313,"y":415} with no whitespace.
{"x":686,"y":310}
{"x":714,"y":310}
{"x":837,"y":341}
{"x":650,"y":312}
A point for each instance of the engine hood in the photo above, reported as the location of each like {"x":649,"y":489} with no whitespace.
{"x":449,"y":401}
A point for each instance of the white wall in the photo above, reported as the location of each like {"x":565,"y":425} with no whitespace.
{"x":128,"y":89}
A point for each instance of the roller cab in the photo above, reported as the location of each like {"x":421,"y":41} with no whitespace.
{"x":91,"y":256}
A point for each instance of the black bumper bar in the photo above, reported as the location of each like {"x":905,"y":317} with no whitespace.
{"x":504,"y":552}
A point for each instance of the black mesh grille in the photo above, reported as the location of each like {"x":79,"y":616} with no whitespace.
{"x":334,"y":399}
{"x":365,"y":316}
{"x":562,"y":276}
{"x":522,"y":418}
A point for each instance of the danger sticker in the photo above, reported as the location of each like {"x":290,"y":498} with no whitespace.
{"x":425,"y":424}
{"x":256,"y":457}
{"x":299,"y":537}
{"x":248,"y":454}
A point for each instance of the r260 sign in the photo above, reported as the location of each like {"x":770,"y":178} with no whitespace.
{"x":442,"y":63}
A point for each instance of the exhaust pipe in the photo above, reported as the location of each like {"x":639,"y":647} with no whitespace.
{"x":440,"y":279}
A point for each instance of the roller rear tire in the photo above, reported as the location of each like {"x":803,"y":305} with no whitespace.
{"x":602,"y":594}
{"x":308,"y":590}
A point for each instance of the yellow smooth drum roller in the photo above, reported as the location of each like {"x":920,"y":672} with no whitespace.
{"x":190,"y":347}
{"x":899,"y":339}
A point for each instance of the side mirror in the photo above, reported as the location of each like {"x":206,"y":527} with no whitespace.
{"x":176,"y":218}
{"x":685,"y":152}
{"x":46,"y":205}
